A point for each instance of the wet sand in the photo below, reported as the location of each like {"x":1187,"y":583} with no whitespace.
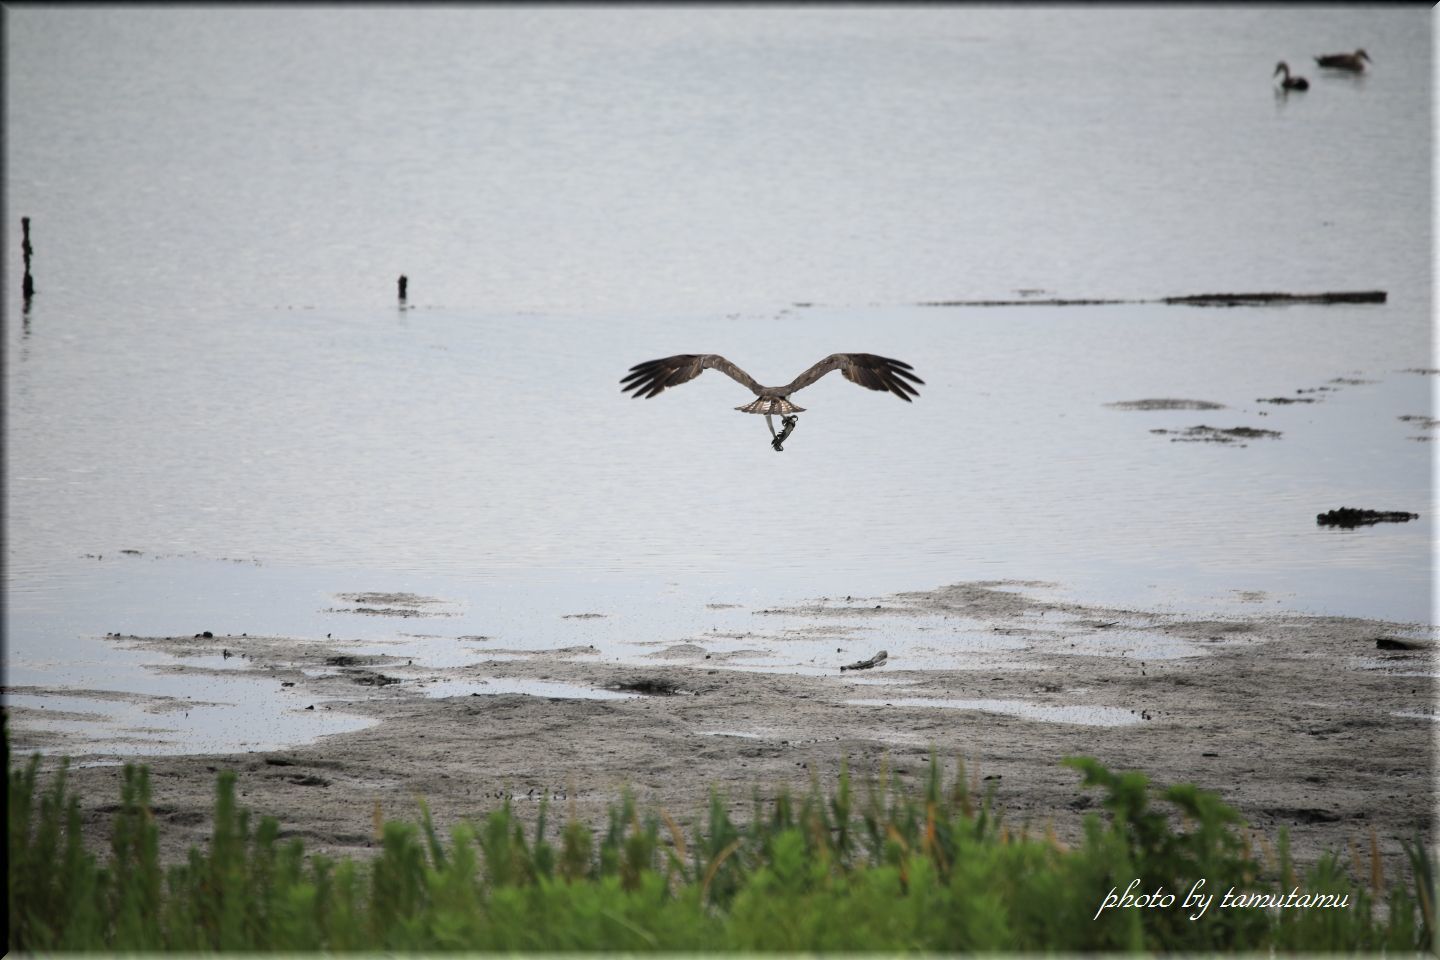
{"x":1298,"y":721}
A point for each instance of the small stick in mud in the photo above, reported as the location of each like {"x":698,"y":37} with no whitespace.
{"x":402,"y":284}
{"x":874,"y":661}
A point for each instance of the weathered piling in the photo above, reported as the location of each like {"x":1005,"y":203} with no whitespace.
{"x":404,"y":282}
{"x":27,"y":286}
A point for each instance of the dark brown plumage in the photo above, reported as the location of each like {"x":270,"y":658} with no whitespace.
{"x":868,"y":370}
{"x":1290,"y":83}
{"x":1353,"y":62}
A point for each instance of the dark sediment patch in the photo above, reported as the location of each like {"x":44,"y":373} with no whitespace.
{"x":1283,"y":400}
{"x":369,"y":678}
{"x":395,"y":599}
{"x":1306,"y":815}
{"x":1206,"y":434}
{"x":390,"y":605}
{"x":1165,"y":403}
{"x":390,"y":612}
{"x":306,"y":780}
{"x":649,"y":686}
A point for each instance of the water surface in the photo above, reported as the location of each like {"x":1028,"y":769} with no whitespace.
{"x":216,"y":374}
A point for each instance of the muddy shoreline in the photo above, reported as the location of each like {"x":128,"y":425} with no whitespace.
{"x":1311,"y":723}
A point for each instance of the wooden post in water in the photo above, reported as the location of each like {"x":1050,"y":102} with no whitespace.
{"x":27,"y":286}
{"x":404,"y":282}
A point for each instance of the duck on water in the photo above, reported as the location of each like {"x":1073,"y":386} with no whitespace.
{"x":1350,"y":62}
{"x":1290,"y":83}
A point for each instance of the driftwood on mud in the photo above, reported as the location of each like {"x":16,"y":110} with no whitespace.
{"x":1191,"y":300}
{"x":874,"y":661}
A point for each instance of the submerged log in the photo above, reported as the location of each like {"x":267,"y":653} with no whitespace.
{"x":1355,"y":517}
{"x":1191,"y":300}
{"x":1252,"y":299}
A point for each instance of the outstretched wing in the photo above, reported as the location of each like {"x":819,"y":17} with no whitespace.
{"x":649,"y":378}
{"x":866,"y":369}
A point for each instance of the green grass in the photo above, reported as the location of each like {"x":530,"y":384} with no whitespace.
{"x":873,"y":869}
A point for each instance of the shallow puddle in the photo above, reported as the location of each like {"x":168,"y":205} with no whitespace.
{"x":221,"y":721}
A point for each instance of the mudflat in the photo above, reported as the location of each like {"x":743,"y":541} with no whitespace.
{"x":1321,"y":725}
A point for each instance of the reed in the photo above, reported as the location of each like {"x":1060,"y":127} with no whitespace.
{"x":838,"y":869}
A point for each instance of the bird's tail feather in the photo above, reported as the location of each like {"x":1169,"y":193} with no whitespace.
{"x":777,"y":405}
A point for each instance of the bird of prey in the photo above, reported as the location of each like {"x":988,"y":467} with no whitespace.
{"x":1352,"y":62}
{"x":876,"y":373}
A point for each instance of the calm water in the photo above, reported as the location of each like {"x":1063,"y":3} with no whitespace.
{"x":215,"y":372}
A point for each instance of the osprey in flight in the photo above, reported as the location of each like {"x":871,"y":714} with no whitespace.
{"x":877,"y":373}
